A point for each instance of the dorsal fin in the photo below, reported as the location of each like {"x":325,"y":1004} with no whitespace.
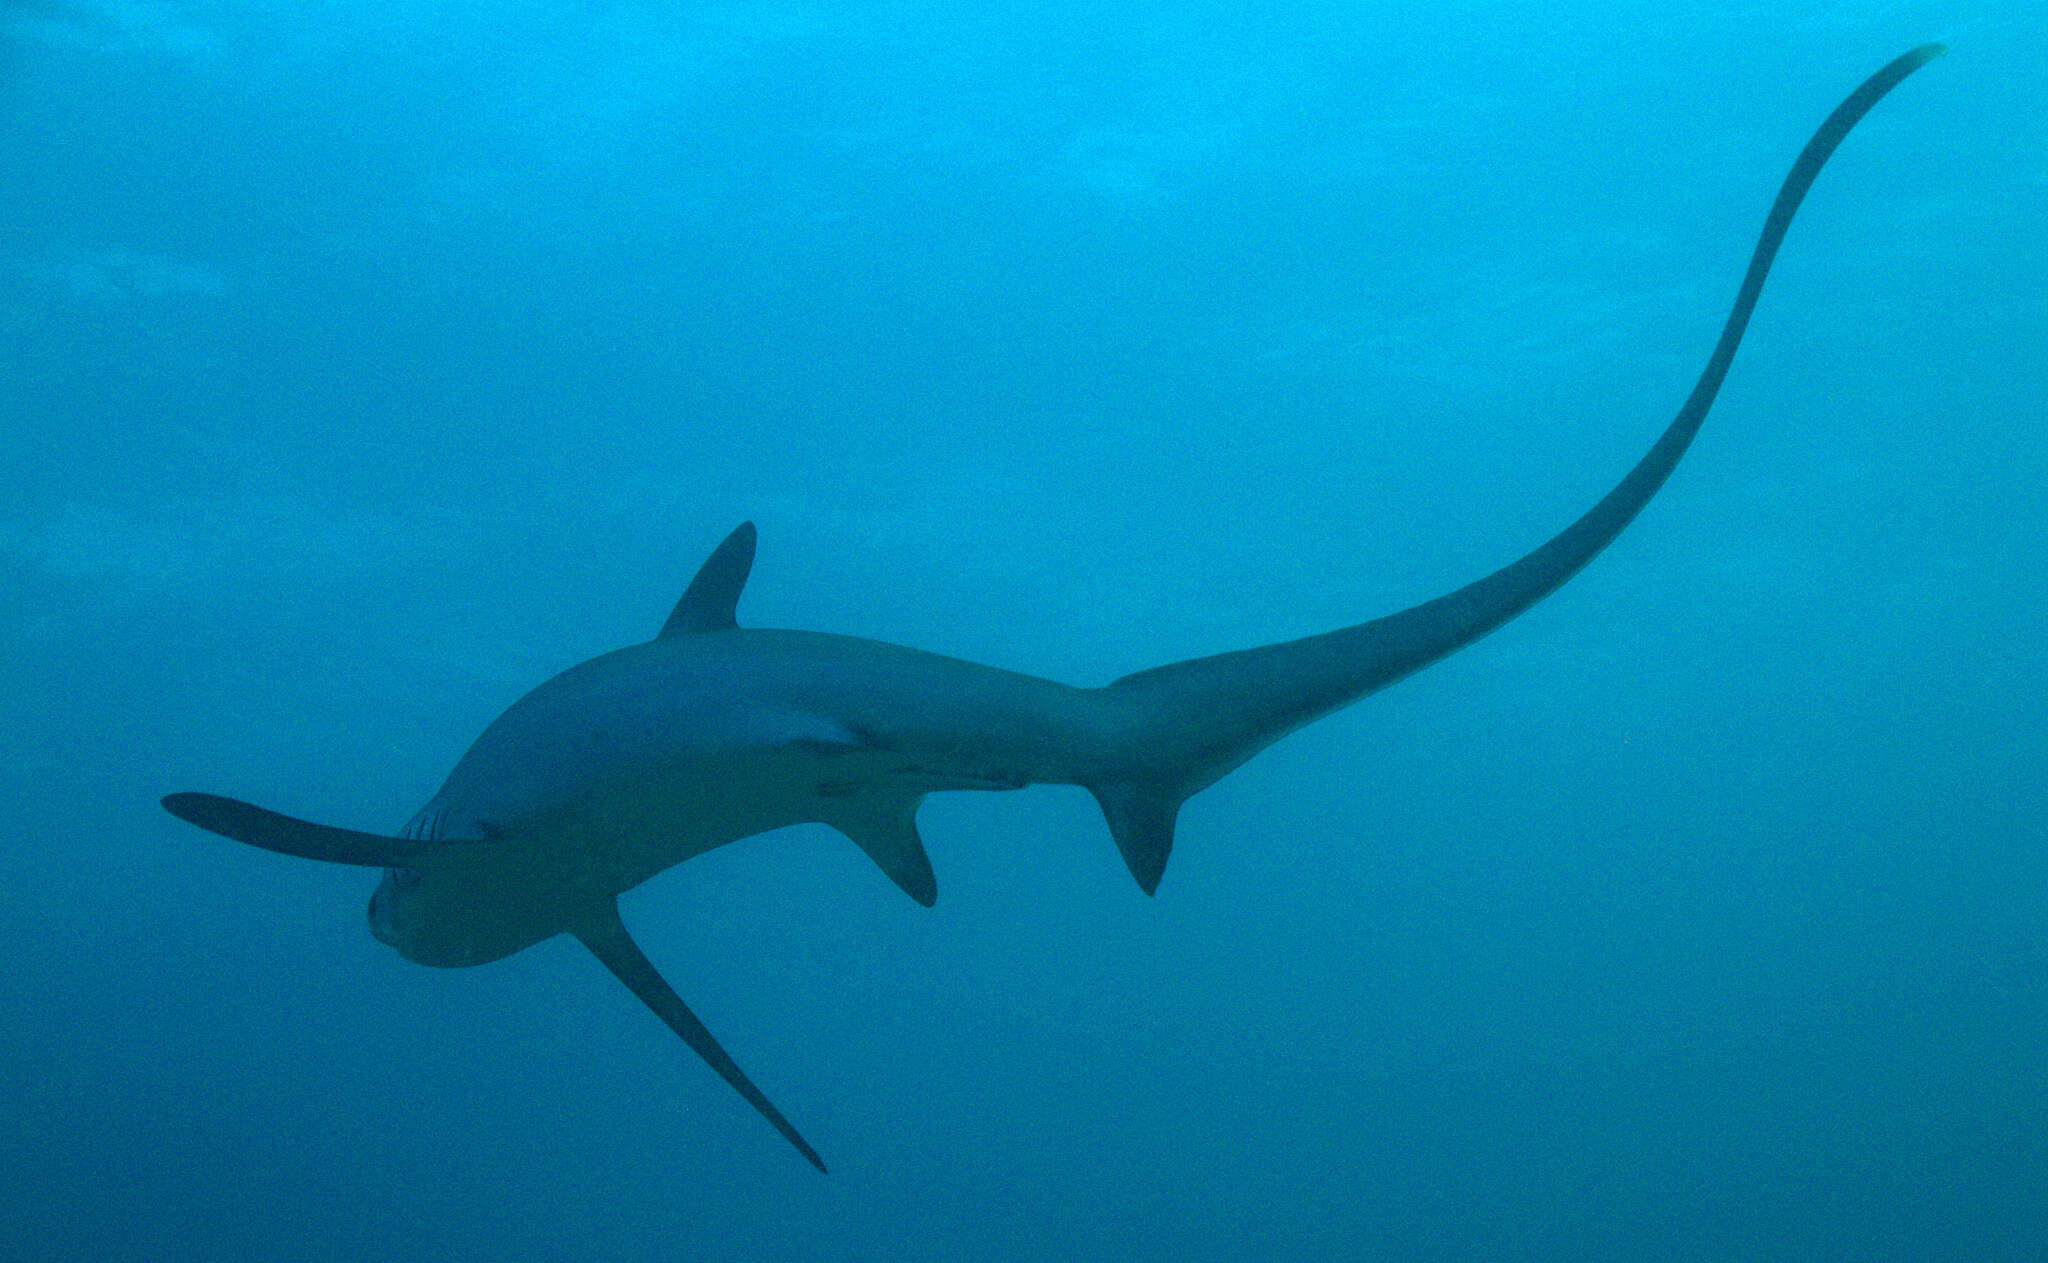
{"x":709,"y":601}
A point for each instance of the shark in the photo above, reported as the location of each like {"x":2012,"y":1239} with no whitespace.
{"x":632,"y":762}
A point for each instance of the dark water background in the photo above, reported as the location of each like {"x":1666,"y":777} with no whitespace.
{"x":363,"y":364}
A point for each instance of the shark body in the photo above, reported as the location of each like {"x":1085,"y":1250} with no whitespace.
{"x":634,"y":761}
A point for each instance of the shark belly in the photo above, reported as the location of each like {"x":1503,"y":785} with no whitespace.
{"x":633,"y":762}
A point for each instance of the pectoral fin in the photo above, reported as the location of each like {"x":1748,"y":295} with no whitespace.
{"x":245,"y":822}
{"x":605,"y":935}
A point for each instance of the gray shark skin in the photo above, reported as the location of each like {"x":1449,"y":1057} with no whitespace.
{"x":629,"y":763}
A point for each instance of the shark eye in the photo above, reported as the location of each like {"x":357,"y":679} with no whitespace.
{"x":402,"y":878}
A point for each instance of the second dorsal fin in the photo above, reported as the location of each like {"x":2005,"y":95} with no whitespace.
{"x":709,"y":601}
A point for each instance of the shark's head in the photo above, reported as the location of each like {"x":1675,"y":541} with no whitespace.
{"x":441,"y":913}
{"x":402,"y":913}
{"x":387,"y":918}
{"x":468,"y":894}
{"x":456,"y":891}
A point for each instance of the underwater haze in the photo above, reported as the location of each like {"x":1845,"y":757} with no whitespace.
{"x":363,"y":365}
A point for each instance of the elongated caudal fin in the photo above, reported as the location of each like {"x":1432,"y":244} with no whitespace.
{"x":1193,"y":721}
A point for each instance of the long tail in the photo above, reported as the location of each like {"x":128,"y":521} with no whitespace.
{"x":1199,"y":719}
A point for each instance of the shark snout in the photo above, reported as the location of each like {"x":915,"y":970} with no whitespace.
{"x":382,"y":926}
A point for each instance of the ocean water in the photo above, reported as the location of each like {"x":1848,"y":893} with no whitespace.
{"x":365,"y":364}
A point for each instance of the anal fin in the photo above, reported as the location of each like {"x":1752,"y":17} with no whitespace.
{"x":605,"y":935}
{"x":1141,"y":816}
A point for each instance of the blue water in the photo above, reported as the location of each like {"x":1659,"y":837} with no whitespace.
{"x":364,"y":364}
